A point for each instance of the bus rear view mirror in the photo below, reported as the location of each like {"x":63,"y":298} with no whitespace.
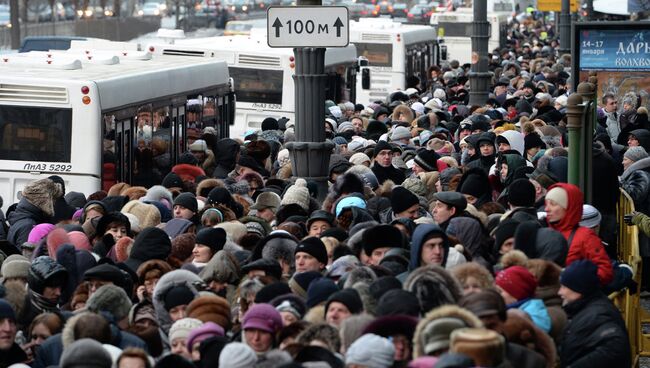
{"x":363,"y":61}
{"x":365,"y":78}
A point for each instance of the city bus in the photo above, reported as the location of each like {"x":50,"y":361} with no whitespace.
{"x":456,"y":28}
{"x":394,"y":51}
{"x":97,"y":117}
{"x":263,"y":76}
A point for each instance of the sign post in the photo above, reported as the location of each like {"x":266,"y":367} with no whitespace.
{"x":308,"y":30}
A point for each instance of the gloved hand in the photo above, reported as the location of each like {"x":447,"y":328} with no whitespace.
{"x":627,"y":218}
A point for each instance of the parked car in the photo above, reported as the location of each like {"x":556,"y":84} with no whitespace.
{"x":150,"y":10}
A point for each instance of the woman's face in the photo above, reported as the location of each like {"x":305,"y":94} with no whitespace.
{"x":202,"y":253}
{"x":40,"y":333}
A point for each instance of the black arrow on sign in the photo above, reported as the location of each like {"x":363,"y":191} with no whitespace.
{"x":338,"y":24}
{"x":277,"y":25}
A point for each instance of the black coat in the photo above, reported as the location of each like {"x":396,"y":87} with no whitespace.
{"x":22,"y":220}
{"x":388,"y":173}
{"x":12,"y":356}
{"x":595,"y":335}
{"x":604,"y":180}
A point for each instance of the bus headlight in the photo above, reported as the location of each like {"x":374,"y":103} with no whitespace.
{"x":244,"y":8}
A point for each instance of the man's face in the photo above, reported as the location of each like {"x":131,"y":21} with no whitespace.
{"x":568,"y":295}
{"x":499,"y":90}
{"x":442,"y":212}
{"x":433,"y":251}
{"x":357,"y":123}
{"x":7,"y":333}
{"x":306,"y":262}
{"x":181,"y":212}
{"x":267,"y":214}
{"x":377,"y":254}
{"x":52,"y":293}
{"x":411,"y":212}
{"x":317,"y":227}
{"x":504,"y":147}
{"x":384,"y":158}
{"x":487,"y":149}
{"x":493,"y":322}
{"x":336,"y":313}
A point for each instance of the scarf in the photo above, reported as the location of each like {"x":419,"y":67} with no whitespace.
{"x":41,"y":303}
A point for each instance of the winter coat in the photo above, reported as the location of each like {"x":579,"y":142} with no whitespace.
{"x":536,"y":309}
{"x":520,"y":356}
{"x":166,"y":283}
{"x":605,"y":183}
{"x":595,"y":335}
{"x":22,"y":220}
{"x":387,"y":216}
{"x":636,"y":182}
{"x":209,"y":164}
{"x":226,"y":157}
{"x":613,"y":127}
{"x":388,"y":173}
{"x":14,"y":355}
{"x":585,"y":243}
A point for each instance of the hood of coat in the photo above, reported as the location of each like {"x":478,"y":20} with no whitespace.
{"x":226,"y":155}
{"x":167,"y":282}
{"x":421,"y":234}
{"x":574,"y":208}
{"x":516,"y":140}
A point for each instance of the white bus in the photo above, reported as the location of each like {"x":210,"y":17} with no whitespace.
{"x":100,"y":117}
{"x":263,"y":76}
{"x":456,"y":29}
{"x":394,"y":51}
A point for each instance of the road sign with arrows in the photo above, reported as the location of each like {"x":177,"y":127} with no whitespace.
{"x":308,"y":26}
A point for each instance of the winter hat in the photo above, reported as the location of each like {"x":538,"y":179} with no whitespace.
{"x":485,"y":347}
{"x":6,"y":310}
{"x":319,"y":291}
{"x":558,"y":195}
{"x":181,"y":329}
{"x":198,"y":145}
{"x":111,"y":299}
{"x":270,"y":291}
{"x":428,"y":160}
{"x":359,"y":158}
{"x":381,"y":236}
{"x":38,"y":232}
{"x":381,"y":146}
{"x":300,"y":282}
{"x":314,"y":247}
{"x":517,"y":281}
{"x":591,"y":217}
{"x":505,"y":231}
{"x":581,"y":276}
{"x":344,"y":126}
{"x":263,"y":317}
{"x":148,"y":215}
{"x":187,"y":200}
{"x":214,"y":238}
{"x":290,"y":303}
{"x":349,"y":201}
{"x":401,"y":199}
{"x":210,"y":308}
{"x":383,"y":285}
{"x":521,"y":193}
{"x":85,"y":353}
{"x":15,"y":266}
{"x":270,"y":124}
{"x":208,"y":330}
{"x":371,"y":351}
{"x":400,"y":132}
{"x":42,"y":194}
{"x":340,"y":140}
{"x":178,"y":295}
{"x":348,"y":297}
{"x":80,"y":241}
{"x":297,"y":194}
{"x":398,"y":301}
{"x":237,"y":355}
{"x":635,"y":153}
{"x":533,"y":140}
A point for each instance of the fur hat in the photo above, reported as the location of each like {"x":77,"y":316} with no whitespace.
{"x":433,"y":286}
{"x":42,"y":194}
{"x":475,"y":270}
{"x":111,"y":299}
{"x":297,"y":194}
{"x":181,"y":329}
{"x":381,"y":236}
{"x":635,"y":153}
{"x":486,"y":347}
{"x":433,"y":331}
{"x":15,"y":266}
{"x":147,"y":214}
{"x":210,"y":308}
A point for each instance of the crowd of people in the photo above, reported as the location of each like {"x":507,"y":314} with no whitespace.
{"x":449,"y":237}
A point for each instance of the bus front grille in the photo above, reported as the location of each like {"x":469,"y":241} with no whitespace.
{"x":375,"y":37}
{"x":257,"y":60}
{"x":26,"y":93}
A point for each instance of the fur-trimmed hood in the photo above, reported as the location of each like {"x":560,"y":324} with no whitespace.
{"x":206,"y":185}
{"x":445,"y":311}
{"x":167,"y":282}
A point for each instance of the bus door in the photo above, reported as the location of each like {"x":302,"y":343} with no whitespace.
{"x":122,"y":169}
{"x":178,"y":142}
{"x":226,"y":112}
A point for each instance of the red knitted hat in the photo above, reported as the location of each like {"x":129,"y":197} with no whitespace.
{"x":517,"y":281}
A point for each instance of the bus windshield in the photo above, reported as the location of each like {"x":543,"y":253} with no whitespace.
{"x":257,"y":85}
{"x":377,"y":54}
{"x":35,"y":133}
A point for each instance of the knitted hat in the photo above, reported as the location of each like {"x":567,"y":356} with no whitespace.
{"x":340,"y":140}
{"x":210,"y":308}
{"x":400,"y":132}
{"x":237,"y":355}
{"x":181,"y":329}
{"x":7,"y":311}
{"x":359,"y":158}
{"x":348,"y":297}
{"x":559,"y":196}
{"x":263,"y":317}
{"x":381,"y":146}
{"x":635,"y":153}
{"x":581,"y":276}
{"x":517,"y":281}
{"x":398,"y":301}
{"x":300,"y":282}
{"x":111,"y":299}
{"x":427,"y":160}
{"x":505,"y":231}
{"x":214,"y":238}
{"x":319,"y":290}
{"x":381,"y":236}
{"x":270,"y":291}
{"x":486,"y":347}
{"x":85,"y":353}
{"x":401,"y":199}
{"x":297,"y":194}
{"x":208,"y":330}
{"x":314,"y":247}
{"x":521,"y":193}
{"x":533,"y":140}
{"x":178,"y":295}
{"x":591,"y":217}
{"x":15,"y":266}
{"x":187,"y":200}
{"x":371,"y":351}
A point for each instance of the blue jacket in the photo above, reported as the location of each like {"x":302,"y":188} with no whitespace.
{"x":537,"y":311}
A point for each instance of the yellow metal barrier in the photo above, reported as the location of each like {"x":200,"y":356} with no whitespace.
{"x":629,"y":305}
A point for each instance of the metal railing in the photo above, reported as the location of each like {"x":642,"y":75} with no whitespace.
{"x":115,"y":29}
{"x":629,"y":304}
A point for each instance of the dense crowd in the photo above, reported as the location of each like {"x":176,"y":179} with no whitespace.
{"x":449,"y":237}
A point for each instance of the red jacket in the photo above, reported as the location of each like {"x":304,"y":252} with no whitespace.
{"x":187,"y":172}
{"x":585,"y":243}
